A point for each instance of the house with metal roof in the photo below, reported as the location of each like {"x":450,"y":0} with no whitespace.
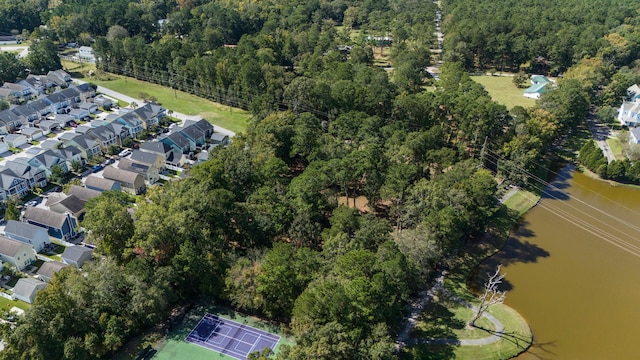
{"x":129,"y":181}
{"x":16,"y":253}
{"x":77,"y":255}
{"x":96,"y":183}
{"x":48,"y":270}
{"x":27,"y":288}
{"x":35,"y":236}
{"x":59,"y":226}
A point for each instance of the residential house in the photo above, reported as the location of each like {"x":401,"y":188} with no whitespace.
{"x":33,"y":83}
{"x":15,"y":140}
{"x":9,"y":121}
{"x":27,"y":288}
{"x":16,"y":253}
{"x":86,"y":53}
{"x":33,"y":175}
{"x":179,"y":142}
{"x":201,"y":124}
{"x":633,"y":93}
{"x":59,"y":226}
{"x":194,"y":135}
{"x":131,"y":182}
{"x":103,"y":102}
{"x":86,"y":92}
{"x":66,"y":204}
{"x":43,"y":106}
{"x":4,"y":149}
{"x":539,"y":84}
{"x":71,"y":154}
{"x":68,"y":136}
{"x":96,"y":183}
{"x":149,"y":158}
{"x":49,"y":269}
{"x":47,"y":126}
{"x":49,"y":158}
{"x":87,"y":146}
{"x":150,"y":113}
{"x":629,"y":114}
{"x":11,"y":184}
{"x":26,"y":113}
{"x":219,"y":139}
{"x":148,"y":171}
{"x":88,"y":106}
{"x":9,"y":40}
{"x":59,"y":77}
{"x":77,"y":255}
{"x":24,"y":92}
{"x":79,"y":114}
{"x":63,"y":120}
{"x":131,"y":122}
{"x":35,"y":236}
{"x":31,"y":133}
{"x":83,"y":193}
{"x":72,"y":94}
{"x":172,"y":157}
{"x":51,"y":144}
{"x":120,"y":130}
{"x":105,"y":136}
{"x":58,"y":102}
{"x":634,"y":136}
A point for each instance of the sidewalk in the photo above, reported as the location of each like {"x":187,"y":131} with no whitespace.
{"x":129,"y":99}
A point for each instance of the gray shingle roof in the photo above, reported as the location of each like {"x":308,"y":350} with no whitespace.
{"x":155,"y":147}
{"x":27,"y":286}
{"x":83,"y":193}
{"x":9,"y":247}
{"x":113,"y":173}
{"x":77,"y":253}
{"x":49,"y":268}
{"x":23,"y":229}
{"x":99,"y":183}
{"x":144,"y":157}
{"x":45,"y":217}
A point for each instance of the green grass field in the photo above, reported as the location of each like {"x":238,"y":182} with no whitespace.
{"x":616,"y":148}
{"x":503,"y":91}
{"x":227,"y":117}
{"x":224,"y":116}
{"x":174,"y":346}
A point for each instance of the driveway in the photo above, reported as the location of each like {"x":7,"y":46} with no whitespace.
{"x":600,"y":133}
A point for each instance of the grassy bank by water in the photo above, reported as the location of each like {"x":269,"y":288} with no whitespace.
{"x":445,"y":318}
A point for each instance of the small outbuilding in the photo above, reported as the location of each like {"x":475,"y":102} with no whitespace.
{"x":27,"y":288}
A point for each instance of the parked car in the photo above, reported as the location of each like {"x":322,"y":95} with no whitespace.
{"x":124,"y":153}
{"x":73,"y":124}
{"x":97,"y":168}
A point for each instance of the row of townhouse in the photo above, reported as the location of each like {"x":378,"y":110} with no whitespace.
{"x":76,"y":101}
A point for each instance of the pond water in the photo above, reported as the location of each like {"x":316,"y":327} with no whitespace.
{"x":573,"y":266}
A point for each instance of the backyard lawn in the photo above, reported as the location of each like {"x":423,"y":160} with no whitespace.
{"x":616,"y":148}
{"x":503,"y":91}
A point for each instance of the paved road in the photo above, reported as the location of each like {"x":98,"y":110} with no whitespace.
{"x":129,"y":99}
{"x":600,"y":134}
{"x":24,"y":50}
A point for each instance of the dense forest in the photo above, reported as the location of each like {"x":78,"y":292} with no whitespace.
{"x":258,"y":226}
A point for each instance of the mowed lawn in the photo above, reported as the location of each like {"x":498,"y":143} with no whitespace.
{"x":503,"y":91}
{"x":227,"y":117}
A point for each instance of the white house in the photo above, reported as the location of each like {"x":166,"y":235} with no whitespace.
{"x":36,"y":236}
{"x":634,"y":136}
{"x":86,"y":53}
{"x":629,"y":114}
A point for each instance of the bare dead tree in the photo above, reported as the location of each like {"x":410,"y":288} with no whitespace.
{"x":491,"y":294}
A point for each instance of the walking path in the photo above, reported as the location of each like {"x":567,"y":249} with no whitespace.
{"x":418,"y":306}
{"x":129,"y":99}
{"x":600,"y":134}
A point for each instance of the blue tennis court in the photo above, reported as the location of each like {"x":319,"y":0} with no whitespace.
{"x":230,"y":338}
